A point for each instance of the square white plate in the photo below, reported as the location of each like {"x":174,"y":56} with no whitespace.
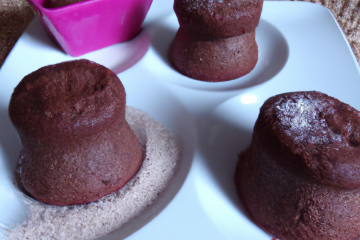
{"x":301,"y":48}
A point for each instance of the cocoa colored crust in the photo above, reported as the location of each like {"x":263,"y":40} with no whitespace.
{"x":300,"y":177}
{"x":218,"y":18}
{"x":60,"y":3}
{"x":214,"y":60}
{"x":76,"y":144}
{"x":70,"y":100}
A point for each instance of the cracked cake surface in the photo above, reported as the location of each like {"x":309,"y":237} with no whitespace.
{"x":299,"y":179}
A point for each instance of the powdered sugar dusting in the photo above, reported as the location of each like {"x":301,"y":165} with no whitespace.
{"x":209,"y":5}
{"x":219,"y":8}
{"x":88,"y":221}
{"x":195,"y":4}
{"x":301,"y":117}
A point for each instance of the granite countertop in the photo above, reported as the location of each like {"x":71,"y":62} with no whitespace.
{"x":15,"y":15}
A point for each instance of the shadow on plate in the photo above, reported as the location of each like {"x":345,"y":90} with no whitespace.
{"x":223,"y":135}
{"x":12,"y":207}
{"x":221,"y":143}
{"x":9,"y":143}
{"x":162,"y":36}
{"x":37,"y":32}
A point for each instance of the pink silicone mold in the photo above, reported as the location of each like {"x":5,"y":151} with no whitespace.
{"x":87,"y":26}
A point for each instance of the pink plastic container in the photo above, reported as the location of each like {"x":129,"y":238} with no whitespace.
{"x":87,"y":26}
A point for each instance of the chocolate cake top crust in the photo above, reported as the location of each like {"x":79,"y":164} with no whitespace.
{"x":218,"y":18}
{"x":323,"y":131}
{"x":70,"y":100}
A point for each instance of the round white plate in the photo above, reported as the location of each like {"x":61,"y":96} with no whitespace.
{"x":35,"y":50}
{"x":273,"y":54}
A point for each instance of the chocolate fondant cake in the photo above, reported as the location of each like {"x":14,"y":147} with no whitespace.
{"x":76,"y":144}
{"x":300,"y":177}
{"x":216,"y":38}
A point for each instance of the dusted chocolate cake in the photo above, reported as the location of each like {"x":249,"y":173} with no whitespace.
{"x":76,"y":144}
{"x":216,"y":39}
{"x":300,"y":177}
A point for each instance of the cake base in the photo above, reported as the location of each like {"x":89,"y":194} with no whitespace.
{"x":162,"y":154}
{"x":214,"y":60}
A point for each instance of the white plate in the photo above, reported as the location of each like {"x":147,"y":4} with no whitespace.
{"x":301,"y":48}
{"x":148,"y":96}
{"x":273,"y":54}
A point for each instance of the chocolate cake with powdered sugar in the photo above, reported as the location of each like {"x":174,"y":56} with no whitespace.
{"x":300,"y":177}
